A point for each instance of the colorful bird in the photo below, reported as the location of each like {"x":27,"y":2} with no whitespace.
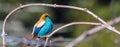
{"x":43,"y":26}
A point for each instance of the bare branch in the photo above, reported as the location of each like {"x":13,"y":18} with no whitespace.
{"x":55,"y":6}
{"x":46,"y":41}
{"x":73,"y":23}
{"x":91,"y":31}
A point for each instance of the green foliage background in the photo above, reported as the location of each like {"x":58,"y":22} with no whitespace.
{"x":105,"y":9}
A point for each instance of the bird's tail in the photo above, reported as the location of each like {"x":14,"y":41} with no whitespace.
{"x":35,"y":37}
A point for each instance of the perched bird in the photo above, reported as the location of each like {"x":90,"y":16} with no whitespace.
{"x":42,"y":27}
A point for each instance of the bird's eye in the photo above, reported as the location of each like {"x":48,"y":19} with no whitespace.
{"x":45,"y":16}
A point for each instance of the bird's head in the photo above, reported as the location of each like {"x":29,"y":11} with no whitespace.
{"x":44,"y":16}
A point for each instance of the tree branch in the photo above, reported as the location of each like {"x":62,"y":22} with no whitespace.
{"x":69,"y":24}
{"x":73,"y":23}
{"x":55,"y":6}
{"x":91,"y":32}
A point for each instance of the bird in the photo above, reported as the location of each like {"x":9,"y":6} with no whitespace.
{"x":42,"y":27}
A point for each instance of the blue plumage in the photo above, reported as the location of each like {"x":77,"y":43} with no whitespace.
{"x":42,"y":27}
{"x":46,"y":28}
{"x":37,"y":29}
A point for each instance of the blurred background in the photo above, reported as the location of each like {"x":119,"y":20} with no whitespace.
{"x":20,"y":24}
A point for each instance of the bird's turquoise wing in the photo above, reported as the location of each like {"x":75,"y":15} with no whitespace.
{"x":46,"y":28}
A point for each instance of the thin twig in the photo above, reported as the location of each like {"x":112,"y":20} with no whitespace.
{"x":3,"y":38}
{"x":46,"y":41}
{"x":90,"y":32}
{"x":73,"y":23}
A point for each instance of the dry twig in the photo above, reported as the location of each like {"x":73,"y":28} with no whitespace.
{"x":91,"y":32}
{"x":73,"y":23}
